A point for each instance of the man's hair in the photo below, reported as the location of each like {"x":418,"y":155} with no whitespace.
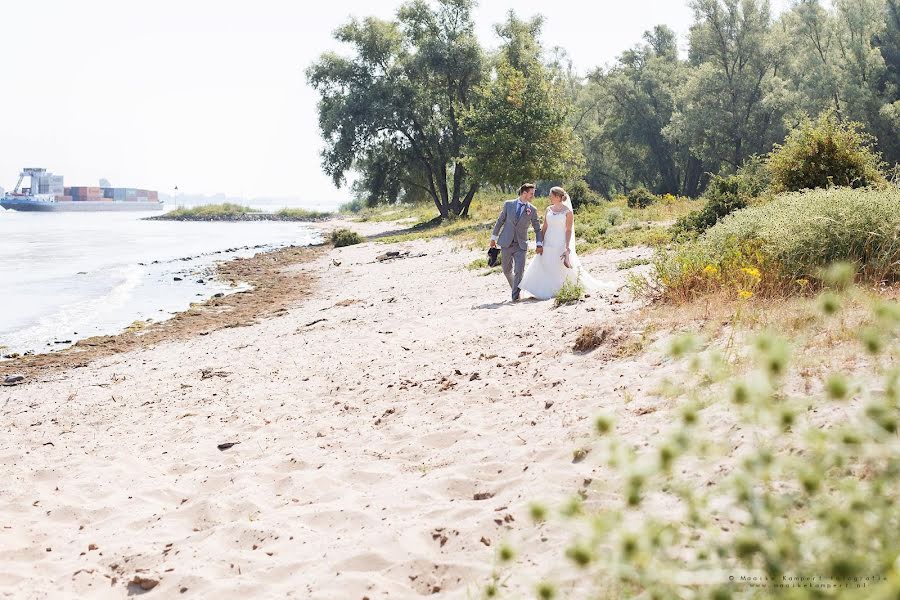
{"x":525,"y":187}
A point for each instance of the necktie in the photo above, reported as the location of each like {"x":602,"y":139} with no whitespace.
{"x":519,"y":210}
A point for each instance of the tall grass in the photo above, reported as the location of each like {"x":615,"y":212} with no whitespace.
{"x":782,"y":247}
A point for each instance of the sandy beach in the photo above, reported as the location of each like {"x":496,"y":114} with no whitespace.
{"x":390,"y":423}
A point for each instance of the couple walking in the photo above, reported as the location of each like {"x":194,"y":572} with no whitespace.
{"x":556,"y":260}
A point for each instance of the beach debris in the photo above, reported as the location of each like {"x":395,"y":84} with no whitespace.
{"x":218,"y":295}
{"x":311,"y":323}
{"x":580,"y":454}
{"x":210,"y":373}
{"x":483,"y":496}
{"x":335,"y":262}
{"x":12,"y":355}
{"x":438,"y":534}
{"x":226,"y":445}
{"x":145,"y":583}
{"x":92,"y":547}
{"x":16,"y":379}
{"x":177,"y":279}
{"x":548,"y":404}
{"x":475,"y":376}
{"x":63,"y":342}
{"x":486,"y":541}
{"x":394,"y":255}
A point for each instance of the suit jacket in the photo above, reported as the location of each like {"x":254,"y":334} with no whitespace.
{"x":510,"y":231}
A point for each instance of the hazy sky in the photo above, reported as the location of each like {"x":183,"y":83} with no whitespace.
{"x":210,"y":95}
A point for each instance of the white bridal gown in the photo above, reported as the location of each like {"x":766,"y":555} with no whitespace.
{"x":546,"y":272}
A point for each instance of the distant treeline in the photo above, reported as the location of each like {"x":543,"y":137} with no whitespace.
{"x":422,"y":110}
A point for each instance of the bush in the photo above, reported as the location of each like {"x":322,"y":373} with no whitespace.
{"x":581,"y":194}
{"x":825,"y":153}
{"x":640,"y":197}
{"x":615,"y":216}
{"x":345,"y":237}
{"x":781,"y":247}
{"x":723,"y":196}
{"x":354,"y":206}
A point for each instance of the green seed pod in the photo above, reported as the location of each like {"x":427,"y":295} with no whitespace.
{"x":837,"y":387}
{"x":538,"y":512}
{"x":580,"y":555}
{"x":740,"y":394}
{"x":603,"y":424}
{"x":829,"y":303}
{"x":546,"y":591}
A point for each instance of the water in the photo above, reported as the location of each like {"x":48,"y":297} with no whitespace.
{"x":67,"y":276}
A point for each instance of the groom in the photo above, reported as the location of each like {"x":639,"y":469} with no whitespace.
{"x":511,"y":232}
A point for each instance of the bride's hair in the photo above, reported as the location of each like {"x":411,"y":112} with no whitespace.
{"x":558,"y":192}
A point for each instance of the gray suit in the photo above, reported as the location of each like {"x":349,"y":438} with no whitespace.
{"x":511,"y":234}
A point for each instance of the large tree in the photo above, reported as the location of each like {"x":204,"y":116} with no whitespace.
{"x":732,"y":104}
{"x":393,"y":110}
{"x":518,"y":128}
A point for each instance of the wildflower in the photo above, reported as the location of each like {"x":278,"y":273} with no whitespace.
{"x":802,"y":282}
{"x":752,"y":272}
{"x":710,"y":270}
{"x":745,"y":294}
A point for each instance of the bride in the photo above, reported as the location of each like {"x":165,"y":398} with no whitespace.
{"x":559,"y":262}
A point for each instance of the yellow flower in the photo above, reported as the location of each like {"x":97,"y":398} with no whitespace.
{"x":752,"y":272}
{"x":745,"y":294}
{"x":802,"y":282}
{"x":710,"y":270}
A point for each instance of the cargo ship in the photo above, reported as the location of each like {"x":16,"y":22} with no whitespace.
{"x":47,"y":193}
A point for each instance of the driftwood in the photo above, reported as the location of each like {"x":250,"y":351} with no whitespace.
{"x":395,"y":255}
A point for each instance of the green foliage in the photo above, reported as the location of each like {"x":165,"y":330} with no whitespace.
{"x":581,"y":194}
{"x":640,"y":197}
{"x":393,"y":110}
{"x":723,"y":196}
{"x":615,"y":216}
{"x":825,"y":153}
{"x":209,"y":211}
{"x":691,"y":518}
{"x":517,"y":127}
{"x":781,"y":247}
{"x":572,"y":291}
{"x":302,"y":214}
{"x":345,"y":237}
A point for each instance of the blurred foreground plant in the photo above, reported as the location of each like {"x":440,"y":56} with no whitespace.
{"x":785,"y":485}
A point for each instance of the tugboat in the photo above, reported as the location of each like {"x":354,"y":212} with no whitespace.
{"x":46,"y":193}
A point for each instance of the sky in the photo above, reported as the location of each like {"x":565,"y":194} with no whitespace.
{"x":210,"y":95}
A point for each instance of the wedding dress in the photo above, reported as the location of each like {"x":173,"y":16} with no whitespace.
{"x":546,"y":272}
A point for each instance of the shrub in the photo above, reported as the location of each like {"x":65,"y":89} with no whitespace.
{"x":354,"y":206}
{"x":569,"y":293}
{"x":723,"y":196}
{"x":781,"y":247}
{"x":825,"y":153}
{"x":581,"y":194}
{"x":345,"y":237}
{"x":640,"y":197}
{"x":615,"y":216}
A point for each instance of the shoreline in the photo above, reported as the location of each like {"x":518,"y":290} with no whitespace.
{"x":243,"y":217}
{"x":268,"y":294}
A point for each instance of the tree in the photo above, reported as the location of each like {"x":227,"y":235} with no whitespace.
{"x":517,"y":128}
{"x":393,"y":110}
{"x":731,"y":106}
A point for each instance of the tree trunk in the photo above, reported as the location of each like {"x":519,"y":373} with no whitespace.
{"x":468,"y":200}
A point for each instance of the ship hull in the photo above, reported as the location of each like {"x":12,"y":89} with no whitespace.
{"x":23,"y":204}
